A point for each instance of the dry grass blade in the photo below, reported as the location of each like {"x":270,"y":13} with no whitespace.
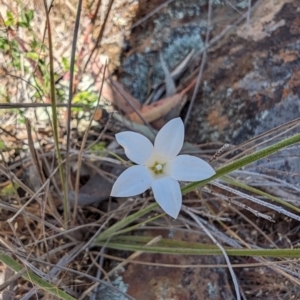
{"x":219,"y":152}
{"x":54,"y":119}
{"x":264,"y":138}
{"x":279,"y":209}
{"x":131,"y":258}
{"x":239,"y":204}
{"x":203,"y":62}
{"x":36,"y":162}
{"x":154,"y":11}
{"x":232,"y":273}
{"x":99,"y":37}
{"x":81,"y":152}
{"x":71,"y":91}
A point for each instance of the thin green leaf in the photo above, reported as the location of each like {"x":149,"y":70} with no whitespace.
{"x":29,"y":16}
{"x":34,"y":279}
{"x":121,"y":224}
{"x":32,"y":55}
{"x":187,"y":248}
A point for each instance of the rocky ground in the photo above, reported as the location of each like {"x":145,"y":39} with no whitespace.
{"x":250,"y":85}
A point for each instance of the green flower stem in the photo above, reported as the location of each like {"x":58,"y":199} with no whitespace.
{"x":123,"y":161}
{"x":244,"y":161}
{"x":237,"y":164}
{"x":34,"y":279}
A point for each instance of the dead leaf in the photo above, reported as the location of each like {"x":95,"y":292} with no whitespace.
{"x":114,"y":93}
{"x":159,"y":109}
{"x":120,"y":98}
{"x":162,"y":111}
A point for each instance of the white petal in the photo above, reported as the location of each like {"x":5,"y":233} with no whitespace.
{"x":190,"y":168}
{"x":137,"y":147}
{"x":133,"y":181}
{"x":169,"y":139}
{"x":167,"y":193}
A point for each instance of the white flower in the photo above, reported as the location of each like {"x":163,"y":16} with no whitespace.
{"x":159,"y":167}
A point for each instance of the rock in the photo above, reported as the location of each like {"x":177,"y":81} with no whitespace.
{"x":250,"y":82}
{"x":161,"y":281}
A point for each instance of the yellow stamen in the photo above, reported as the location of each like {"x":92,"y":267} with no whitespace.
{"x":158,"y":167}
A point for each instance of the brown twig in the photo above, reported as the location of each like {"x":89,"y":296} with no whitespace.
{"x":71,"y":90}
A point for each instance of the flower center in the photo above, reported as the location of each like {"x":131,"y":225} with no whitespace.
{"x":157,"y":168}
